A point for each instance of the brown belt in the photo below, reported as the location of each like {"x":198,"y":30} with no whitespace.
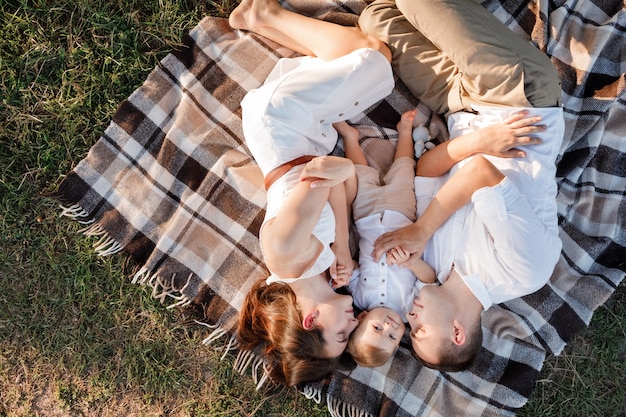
{"x":279,"y":171}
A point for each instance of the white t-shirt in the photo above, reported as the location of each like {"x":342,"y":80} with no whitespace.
{"x":292,"y":113}
{"x":505,"y":243}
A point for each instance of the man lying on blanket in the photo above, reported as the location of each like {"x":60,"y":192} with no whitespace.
{"x":503,"y":244}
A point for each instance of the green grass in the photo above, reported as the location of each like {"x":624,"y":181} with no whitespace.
{"x":76,"y":337}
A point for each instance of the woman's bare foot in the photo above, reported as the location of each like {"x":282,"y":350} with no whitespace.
{"x":250,"y":14}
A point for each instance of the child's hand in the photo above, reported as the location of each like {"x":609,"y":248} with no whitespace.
{"x":397,"y":256}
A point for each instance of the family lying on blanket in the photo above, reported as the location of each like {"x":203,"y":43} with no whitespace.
{"x":476,"y":214}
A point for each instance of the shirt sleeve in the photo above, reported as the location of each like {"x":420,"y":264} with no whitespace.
{"x":526,"y":250}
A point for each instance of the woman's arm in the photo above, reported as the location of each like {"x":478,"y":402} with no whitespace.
{"x":499,"y":140}
{"x":287,"y":240}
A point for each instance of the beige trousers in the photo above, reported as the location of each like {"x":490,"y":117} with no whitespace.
{"x":453,"y":54}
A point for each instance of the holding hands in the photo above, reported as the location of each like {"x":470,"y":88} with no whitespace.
{"x":404,"y":259}
{"x":397,"y":244}
{"x":341,"y":269}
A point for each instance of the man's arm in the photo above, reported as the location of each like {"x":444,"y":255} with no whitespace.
{"x":454,"y":194}
{"x":499,"y":140}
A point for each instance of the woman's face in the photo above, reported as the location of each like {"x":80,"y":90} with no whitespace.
{"x":335,"y":318}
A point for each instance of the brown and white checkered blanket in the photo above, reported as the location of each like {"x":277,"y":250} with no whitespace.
{"x":171,"y":183}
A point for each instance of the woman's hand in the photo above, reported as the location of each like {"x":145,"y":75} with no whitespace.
{"x":503,"y":138}
{"x":327,"y":171}
{"x":341,"y":269}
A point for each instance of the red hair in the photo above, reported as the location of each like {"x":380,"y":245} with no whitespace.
{"x":271,"y":324}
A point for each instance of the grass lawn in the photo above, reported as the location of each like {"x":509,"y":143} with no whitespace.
{"x":76,"y":337}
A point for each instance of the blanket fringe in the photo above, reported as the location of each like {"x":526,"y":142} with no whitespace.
{"x":338,"y":408}
{"x":106,"y":245}
{"x":312,"y":393}
{"x":161,"y":290}
{"x":76,"y":212}
{"x":247,"y":359}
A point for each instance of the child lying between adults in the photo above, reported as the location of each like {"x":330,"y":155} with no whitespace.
{"x":294,"y":317}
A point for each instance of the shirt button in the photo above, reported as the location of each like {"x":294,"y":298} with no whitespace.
{"x":356,"y":103}
{"x":383,"y":280}
{"x":383,"y":263}
{"x":322,"y":121}
{"x":323,"y":135}
{"x":340,"y":114}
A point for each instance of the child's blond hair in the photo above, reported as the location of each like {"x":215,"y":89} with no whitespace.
{"x":364,"y":354}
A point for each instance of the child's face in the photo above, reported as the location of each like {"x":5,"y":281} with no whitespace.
{"x":382,"y":327}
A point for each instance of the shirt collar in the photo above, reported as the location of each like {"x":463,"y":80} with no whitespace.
{"x":476,"y":286}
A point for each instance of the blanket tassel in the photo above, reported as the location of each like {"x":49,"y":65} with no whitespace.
{"x":247,"y":359}
{"x":76,"y":212}
{"x":106,"y":245}
{"x":312,"y":393}
{"x":162,"y":290}
{"x":338,"y":408}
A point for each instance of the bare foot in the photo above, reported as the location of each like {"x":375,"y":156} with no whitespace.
{"x":405,"y":125}
{"x":347,"y":132}
{"x":250,"y":14}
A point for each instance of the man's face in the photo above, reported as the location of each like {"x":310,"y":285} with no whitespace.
{"x":431,"y":324}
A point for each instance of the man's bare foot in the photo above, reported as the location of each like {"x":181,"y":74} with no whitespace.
{"x":250,"y":14}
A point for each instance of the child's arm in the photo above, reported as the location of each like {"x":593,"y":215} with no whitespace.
{"x":422,"y":270}
{"x":500,"y":140}
{"x":454,"y":194}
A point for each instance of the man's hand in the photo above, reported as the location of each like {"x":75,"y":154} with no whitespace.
{"x":409,"y":238}
{"x":503,"y":138}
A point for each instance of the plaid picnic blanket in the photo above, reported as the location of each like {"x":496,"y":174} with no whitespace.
{"x":171,"y":183}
